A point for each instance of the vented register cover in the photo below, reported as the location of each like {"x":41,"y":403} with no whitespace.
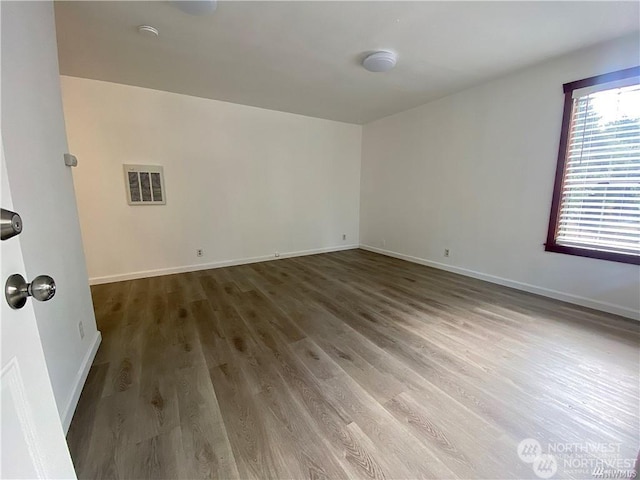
{"x":144,"y":184}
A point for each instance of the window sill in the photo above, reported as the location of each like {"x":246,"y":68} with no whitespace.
{"x":586,"y":252}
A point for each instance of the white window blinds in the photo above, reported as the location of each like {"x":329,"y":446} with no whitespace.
{"x":600,"y":200}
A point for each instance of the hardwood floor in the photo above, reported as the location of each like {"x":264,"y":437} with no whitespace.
{"x":347,"y":365}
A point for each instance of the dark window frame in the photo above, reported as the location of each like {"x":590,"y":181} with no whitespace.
{"x":551,"y":245}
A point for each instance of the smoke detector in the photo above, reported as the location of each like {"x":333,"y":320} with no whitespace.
{"x":381,"y":61}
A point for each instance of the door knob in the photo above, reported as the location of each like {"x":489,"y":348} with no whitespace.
{"x":17,"y":290}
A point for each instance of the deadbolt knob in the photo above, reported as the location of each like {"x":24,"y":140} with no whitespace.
{"x":11,"y":224}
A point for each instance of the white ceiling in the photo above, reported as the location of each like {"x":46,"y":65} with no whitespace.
{"x":304,"y":57}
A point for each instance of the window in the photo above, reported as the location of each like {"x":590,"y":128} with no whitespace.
{"x":595,"y":210}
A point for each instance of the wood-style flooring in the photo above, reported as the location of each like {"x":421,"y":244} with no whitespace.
{"x":346,"y":365}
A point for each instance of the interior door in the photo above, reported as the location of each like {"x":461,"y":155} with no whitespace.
{"x":34,"y":142}
{"x":32,"y":442}
{"x":32,"y":438}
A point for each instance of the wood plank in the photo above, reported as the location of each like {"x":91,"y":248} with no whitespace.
{"x":347,"y":365}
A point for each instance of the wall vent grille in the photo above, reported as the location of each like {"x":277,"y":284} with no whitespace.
{"x":144,"y":185}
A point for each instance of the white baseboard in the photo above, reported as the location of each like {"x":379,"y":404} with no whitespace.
{"x":207,"y":266}
{"x":81,"y":377}
{"x":546,"y":292}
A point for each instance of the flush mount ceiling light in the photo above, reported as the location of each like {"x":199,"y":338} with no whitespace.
{"x":196,"y":7}
{"x":148,"y":31}
{"x":381,"y":61}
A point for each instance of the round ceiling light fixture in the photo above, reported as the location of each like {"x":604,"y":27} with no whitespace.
{"x":196,"y":7}
{"x":148,"y":31}
{"x":381,"y":61}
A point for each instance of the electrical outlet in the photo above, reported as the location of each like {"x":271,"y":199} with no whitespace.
{"x":81,"y":329}
{"x":199,"y":252}
{"x":344,"y":236}
{"x":446,"y":252}
{"x":383,"y":243}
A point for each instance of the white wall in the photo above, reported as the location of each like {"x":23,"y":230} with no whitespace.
{"x":474,"y":172}
{"x":33,"y":134}
{"x":241,"y":182}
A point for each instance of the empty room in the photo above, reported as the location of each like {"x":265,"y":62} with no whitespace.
{"x":320,"y":239}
